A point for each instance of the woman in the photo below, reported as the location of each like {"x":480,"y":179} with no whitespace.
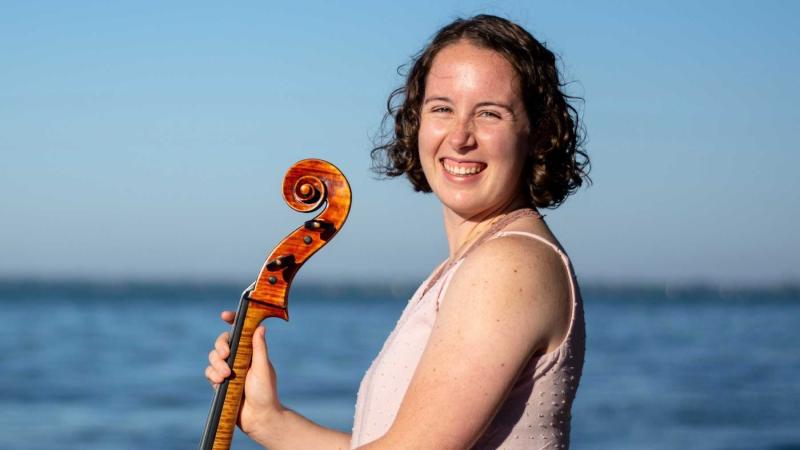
{"x":489,"y":351}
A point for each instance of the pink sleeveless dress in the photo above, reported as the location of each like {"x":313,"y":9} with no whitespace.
{"x":536,"y":413}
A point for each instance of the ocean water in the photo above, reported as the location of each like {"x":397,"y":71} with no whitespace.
{"x":120,"y":366}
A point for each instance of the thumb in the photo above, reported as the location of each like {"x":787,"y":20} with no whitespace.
{"x":260,"y":353}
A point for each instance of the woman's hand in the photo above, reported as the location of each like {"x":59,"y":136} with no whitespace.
{"x":261,"y":409}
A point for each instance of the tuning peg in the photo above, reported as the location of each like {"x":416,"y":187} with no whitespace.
{"x":318,"y":225}
{"x":280,"y":262}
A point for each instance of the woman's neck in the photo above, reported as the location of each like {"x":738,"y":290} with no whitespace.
{"x":462,"y":230}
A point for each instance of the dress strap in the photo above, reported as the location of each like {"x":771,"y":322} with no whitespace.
{"x":564,"y":259}
{"x":490,"y":232}
{"x":497,"y":226}
{"x":557,"y":249}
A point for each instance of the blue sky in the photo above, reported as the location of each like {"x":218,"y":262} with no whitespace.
{"x":148,"y":139}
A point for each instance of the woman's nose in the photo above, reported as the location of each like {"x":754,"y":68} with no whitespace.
{"x":461,"y":135}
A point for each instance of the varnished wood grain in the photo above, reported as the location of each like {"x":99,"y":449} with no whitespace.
{"x":308,"y":185}
{"x":320,"y":176}
{"x":233,"y":398}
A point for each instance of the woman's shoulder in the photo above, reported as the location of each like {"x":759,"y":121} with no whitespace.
{"x":518,"y":280}
{"x":517,"y":256}
{"x":526,"y":244}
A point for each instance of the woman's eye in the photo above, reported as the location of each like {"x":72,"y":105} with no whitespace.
{"x":490,"y":114}
{"x":440,"y":109}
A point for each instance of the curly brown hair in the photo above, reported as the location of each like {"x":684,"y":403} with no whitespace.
{"x":556,"y":166}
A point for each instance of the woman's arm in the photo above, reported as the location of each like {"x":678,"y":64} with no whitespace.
{"x":262,"y":417}
{"x":509,"y":299}
{"x":294,"y":431}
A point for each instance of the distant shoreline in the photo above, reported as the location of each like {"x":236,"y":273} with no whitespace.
{"x":596,"y":290}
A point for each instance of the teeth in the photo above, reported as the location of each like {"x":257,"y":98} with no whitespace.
{"x":456,"y":170}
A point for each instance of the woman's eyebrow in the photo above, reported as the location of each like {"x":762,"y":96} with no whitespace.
{"x":498,"y":104}
{"x":434,"y":99}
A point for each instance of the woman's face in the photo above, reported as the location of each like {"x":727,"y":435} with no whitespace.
{"x":473,"y":134}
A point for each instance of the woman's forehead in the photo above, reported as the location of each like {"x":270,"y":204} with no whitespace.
{"x":466,"y":68}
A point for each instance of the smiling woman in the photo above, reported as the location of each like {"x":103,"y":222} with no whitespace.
{"x":489,"y":351}
{"x":556,"y":165}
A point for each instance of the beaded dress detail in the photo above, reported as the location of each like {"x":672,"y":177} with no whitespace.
{"x":536,"y":413}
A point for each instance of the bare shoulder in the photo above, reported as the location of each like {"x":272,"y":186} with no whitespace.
{"x":507,"y":300}
{"x":518,"y":280}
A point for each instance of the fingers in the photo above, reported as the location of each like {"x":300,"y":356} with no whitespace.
{"x":260,"y":353}
{"x":213,"y":377}
{"x":221,"y":345}
{"x":261,"y":384}
{"x":228,"y":316}
{"x":218,"y":369}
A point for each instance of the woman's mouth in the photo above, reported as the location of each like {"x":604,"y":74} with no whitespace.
{"x":462,"y":168}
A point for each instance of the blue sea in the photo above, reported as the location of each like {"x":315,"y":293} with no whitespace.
{"x":116,"y":366}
